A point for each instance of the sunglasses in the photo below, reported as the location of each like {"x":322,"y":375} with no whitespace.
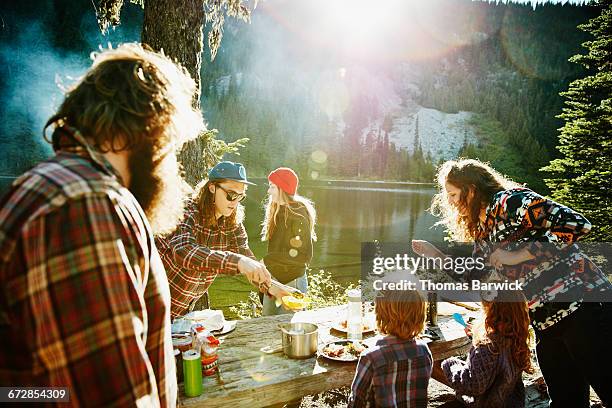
{"x":232,"y":195}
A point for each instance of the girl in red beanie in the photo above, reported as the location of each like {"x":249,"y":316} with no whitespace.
{"x":289,"y":228}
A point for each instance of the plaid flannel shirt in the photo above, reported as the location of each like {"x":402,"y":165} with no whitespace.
{"x":394,"y":373}
{"x":195,"y":254}
{"x":84,"y":299}
{"x":487,"y":379}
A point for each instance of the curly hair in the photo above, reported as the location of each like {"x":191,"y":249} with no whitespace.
{"x":132,"y":97}
{"x":506,"y":327}
{"x":400,"y":313}
{"x":478,"y":183}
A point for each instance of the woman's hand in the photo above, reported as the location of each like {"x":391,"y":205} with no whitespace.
{"x":468,"y":330}
{"x":438,"y":374}
{"x":501,"y":257}
{"x":426,"y":249}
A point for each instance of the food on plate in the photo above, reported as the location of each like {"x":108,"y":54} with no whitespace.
{"x":296,"y":303}
{"x":349,"y":350}
{"x":334,"y":350}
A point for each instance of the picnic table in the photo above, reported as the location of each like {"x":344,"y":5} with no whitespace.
{"x":254,"y":372}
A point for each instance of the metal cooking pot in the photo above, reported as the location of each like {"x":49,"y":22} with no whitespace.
{"x":300,"y":340}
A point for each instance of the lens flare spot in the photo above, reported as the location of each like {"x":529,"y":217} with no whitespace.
{"x":333,"y":97}
{"x":319,"y":156}
{"x":295,"y":242}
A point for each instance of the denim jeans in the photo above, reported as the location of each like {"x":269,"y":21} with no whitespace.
{"x":269,"y":305}
{"x":575,"y":353}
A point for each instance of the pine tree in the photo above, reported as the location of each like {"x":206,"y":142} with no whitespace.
{"x":581,"y":177}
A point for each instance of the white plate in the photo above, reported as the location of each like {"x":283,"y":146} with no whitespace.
{"x":228,"y":326}
{"x":370,"y":322}
{"x":351,"y":357}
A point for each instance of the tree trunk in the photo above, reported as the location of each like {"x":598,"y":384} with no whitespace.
{"x":176,"y":26}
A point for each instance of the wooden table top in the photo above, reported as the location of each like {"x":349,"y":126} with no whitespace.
{"x":253,"y":372}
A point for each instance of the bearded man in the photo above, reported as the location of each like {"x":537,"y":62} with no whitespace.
{"x":84,"y":299}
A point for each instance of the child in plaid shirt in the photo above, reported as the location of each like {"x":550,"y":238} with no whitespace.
{"x":396,"y":372}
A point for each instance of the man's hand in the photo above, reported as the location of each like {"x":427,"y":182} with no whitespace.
{"x":255,"y":272}
{"x":501,"y":257}
{"x":426,"y":249}
{"x":278,"y":293}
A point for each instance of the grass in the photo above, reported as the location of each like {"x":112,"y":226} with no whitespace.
{"x":229,"y":291}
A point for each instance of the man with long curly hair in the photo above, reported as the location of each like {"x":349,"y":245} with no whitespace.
{"x":85,"y":301}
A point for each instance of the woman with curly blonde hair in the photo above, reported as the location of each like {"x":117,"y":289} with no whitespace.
{"x":491,"y":375}
{"x":531,"y":239}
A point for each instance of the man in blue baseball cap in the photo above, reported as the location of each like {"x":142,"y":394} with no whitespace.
{"x":227,"y":170}
{"x":211,"y":240}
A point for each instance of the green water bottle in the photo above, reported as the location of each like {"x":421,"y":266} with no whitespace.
{"x":192,"y":373}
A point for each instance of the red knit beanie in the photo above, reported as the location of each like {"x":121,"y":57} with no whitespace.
{"x":285,"y":179}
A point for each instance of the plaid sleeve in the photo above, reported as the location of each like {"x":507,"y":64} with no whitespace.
{"x":87,"y":280}
{"x":474,"y":376}
{"x":242,"y":241}
{"x":188,"y":254}
{"x":361,"y":388}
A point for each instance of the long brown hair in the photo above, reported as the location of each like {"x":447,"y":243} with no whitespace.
{"x":132,"y":97}
{"x":474,"y":178}
{"x":506,"y":327}
{"x":205,"y":202}
{"x":273,"y":207}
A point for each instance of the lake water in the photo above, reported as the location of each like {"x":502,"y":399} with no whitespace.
{"x":350,"y":213}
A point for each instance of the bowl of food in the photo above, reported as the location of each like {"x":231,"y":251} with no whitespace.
{"x":343,"y":350}
{"x":296,"y":302}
